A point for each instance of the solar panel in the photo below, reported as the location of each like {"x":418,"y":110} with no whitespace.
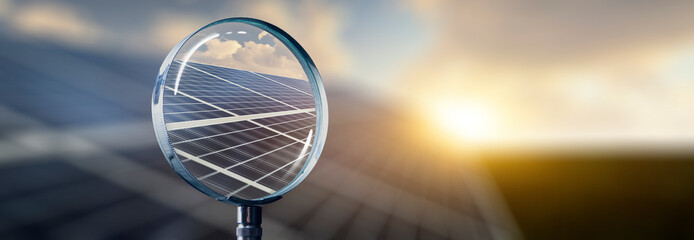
{"x":240,"y":112}
{"x":234,"y":129}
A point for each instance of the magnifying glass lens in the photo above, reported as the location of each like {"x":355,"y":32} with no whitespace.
{"x":239,"y":111}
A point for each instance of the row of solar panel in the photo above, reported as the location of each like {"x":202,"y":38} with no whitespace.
{"x":245,"y":150}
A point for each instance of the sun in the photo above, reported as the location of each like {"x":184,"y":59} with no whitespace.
{"x":463,"y":120}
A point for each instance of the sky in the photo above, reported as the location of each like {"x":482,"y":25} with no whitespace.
{"x":497,"y":72}
{"x":241,"y":46}
{"x":563,"y":72}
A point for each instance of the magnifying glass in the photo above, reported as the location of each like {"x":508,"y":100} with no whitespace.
{"x":240,"y":113}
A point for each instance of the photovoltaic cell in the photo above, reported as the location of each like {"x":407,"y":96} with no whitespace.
{"x":240,"y":133}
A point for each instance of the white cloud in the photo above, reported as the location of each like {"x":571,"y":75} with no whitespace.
{"x":316,"y":25}
{"x":5,"y":8}
{"x":262,"y":35}
{"x":265,"y":58}
{"x":169,"y":28}
{"x":252,"y":56}
{"x":219,"y":50}
{"x":56,"y":22}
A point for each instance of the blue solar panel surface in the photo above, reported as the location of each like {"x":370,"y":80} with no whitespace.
{"x":240,"y":133}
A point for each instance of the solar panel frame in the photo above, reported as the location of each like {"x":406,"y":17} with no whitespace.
{"x":321,"y":112}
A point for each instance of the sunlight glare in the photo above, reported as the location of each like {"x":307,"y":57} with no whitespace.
{"x":464,"y":120}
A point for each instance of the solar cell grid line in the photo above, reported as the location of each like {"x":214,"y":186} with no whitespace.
{"x":253,"y":157}
{"x":289,"y":90}
{"x":199,"y":100}
{"x":225,"y":172}
{"x":206,"y":84}
{"x":252,"y":167}
{"x":239,"y":137}
{"x":231,"y":129}
{"x":215,"y":97}
{"x":250,"y":159}
{"x":283,"y":97}
{"x":211,"y":106}
{"x":255,"y":169}
{"x":242,"y":87}
{"x":207,"y":81}
{"x":296,"y":83}
{"x":197,"y":103}
{"x":236,"y":146}
{"x":271,"y":89}
{"x":214,"y":121}
{"x":202,"y":101}
{"x":228,"y":112}
{"x":262,"y":84}
{"x":278,"y":82}
{"x":270,"y":174}
{"x":233,"y":143}
{"x":230,"y":155}
{"x":230,"y":109}
{"x":232,"y":132}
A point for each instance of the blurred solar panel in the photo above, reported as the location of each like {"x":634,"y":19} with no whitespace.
{"x":38,"y":197}
{"x":223,"y":123}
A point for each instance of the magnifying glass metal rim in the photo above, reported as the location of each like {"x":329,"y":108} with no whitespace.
{"x":314,"y":79}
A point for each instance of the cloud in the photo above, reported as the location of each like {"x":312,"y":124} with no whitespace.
{"x":316,"y":25}
{"x":258,"y":53}
{"x":168,"y":28}
{"x":265,"y":59}
{"x":251,"y":56}
{"x":5,"y":8}
{"x":262,"y":35}
{"x":55,"y":22}
{"x":550,"y":32}
{"x":563,"y":68}
{"x":218,"y":50}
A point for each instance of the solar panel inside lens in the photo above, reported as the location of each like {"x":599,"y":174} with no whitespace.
{"x":239,"y":111}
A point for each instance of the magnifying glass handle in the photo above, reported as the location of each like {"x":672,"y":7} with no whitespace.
{"x":249,"y":219}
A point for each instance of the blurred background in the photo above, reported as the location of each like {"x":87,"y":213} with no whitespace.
{"x":449,"y":120}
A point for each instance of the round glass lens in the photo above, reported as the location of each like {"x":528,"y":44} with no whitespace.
{"x":239,"y":111}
